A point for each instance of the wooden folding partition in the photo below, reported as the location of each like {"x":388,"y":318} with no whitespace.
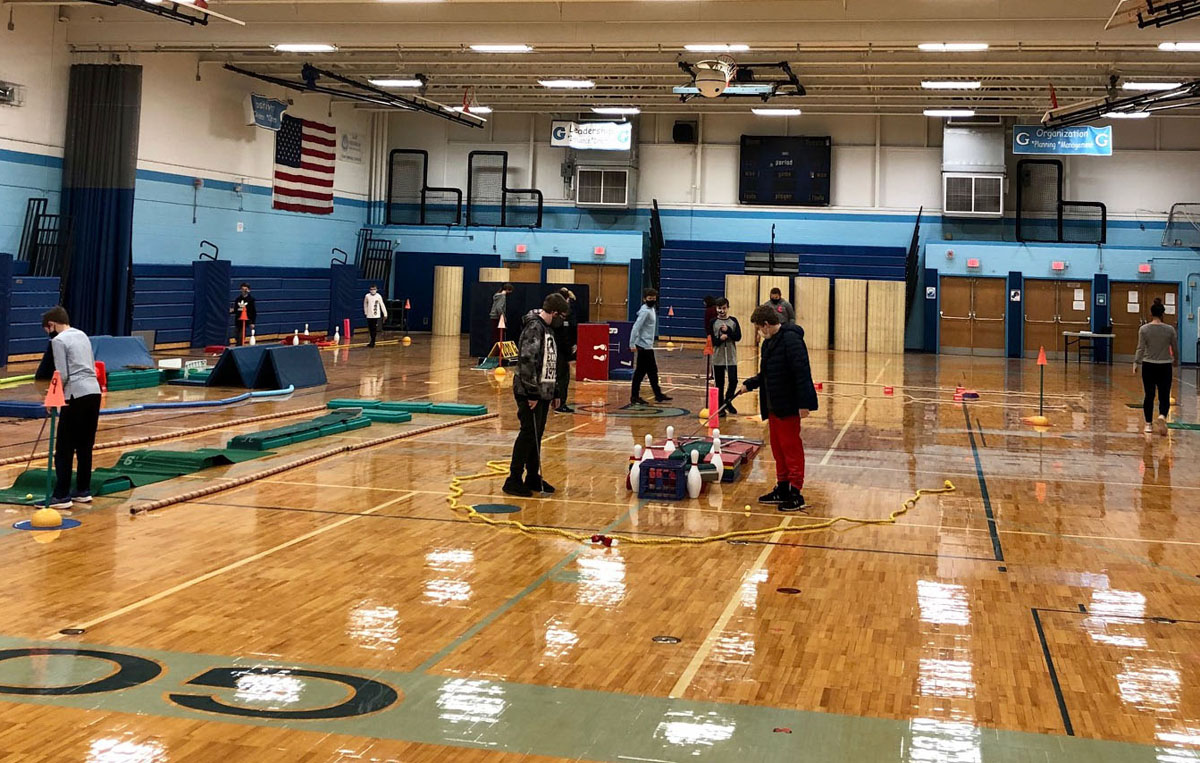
{"x":494,"y":275}
{"x":812,"y":310}
{"x":560,"y":275}
{"x":766,"y":283}
{"x":885,"y":316}
{"x":447,"y":300}
{"x":850,"y":314}
{"x":742,"y":293}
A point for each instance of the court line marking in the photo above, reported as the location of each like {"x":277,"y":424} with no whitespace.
{"x":857,"y":410}
{"x":735,"y":601}
{"x":146,"y":601}
{"x":997,"y":550}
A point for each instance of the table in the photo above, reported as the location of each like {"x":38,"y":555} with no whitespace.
{"x":1078,"y":338}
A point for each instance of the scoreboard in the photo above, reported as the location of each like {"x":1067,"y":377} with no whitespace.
{"x":785,"y":171}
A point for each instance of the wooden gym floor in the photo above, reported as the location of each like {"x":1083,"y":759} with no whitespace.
{"x":1046,"y":610}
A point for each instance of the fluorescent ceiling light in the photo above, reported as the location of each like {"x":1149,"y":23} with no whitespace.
{"x":731,"y":90}
{"x":567,"y":84}
{"x":949,"y":113}
{"x":764,"y":112}
{"x":1179,"y":47}
{"x":304,"y":47}
{"x":501,"y":48}
{"x":616,"y":110}
{"x":952,"y":47}
{"x":1151,"y":85}
{"x":396,"y":82}
{"x":950,"y":84}
{"x":472,"y":110}
{"x":717,"y":48}
{"x":1127,"y":115}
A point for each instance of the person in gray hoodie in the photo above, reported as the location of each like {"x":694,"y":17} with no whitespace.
{"x":534,"y":386}
{"x":1156,"y":354}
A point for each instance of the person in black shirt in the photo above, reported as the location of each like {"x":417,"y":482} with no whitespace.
{"x":565,"y":336}
{"x":245,"y":300}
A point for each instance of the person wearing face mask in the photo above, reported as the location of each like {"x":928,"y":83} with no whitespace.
{"x":534,"y":385}
{"x":565,"y":333}
{"x":374,"y":309}
{"x":787,"y":314}
{"x":244,"y":301}
{"x":641,"y":339}
{"x":726,"y":333}
{"x":787,"y":396}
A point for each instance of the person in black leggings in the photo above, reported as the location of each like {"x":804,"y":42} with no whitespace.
{"x":1155,"y":354}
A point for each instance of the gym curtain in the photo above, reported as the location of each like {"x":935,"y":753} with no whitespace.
{"x":99,"y":165}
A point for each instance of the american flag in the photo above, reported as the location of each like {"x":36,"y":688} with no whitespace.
{"x":304,"y":159}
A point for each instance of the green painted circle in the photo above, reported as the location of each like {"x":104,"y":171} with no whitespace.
{"x":636,"y":411}
{"x":497,"y":508}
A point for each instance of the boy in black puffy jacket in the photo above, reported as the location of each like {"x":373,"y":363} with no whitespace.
{"x":787,"y":396}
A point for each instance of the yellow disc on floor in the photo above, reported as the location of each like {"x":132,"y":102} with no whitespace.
{"x":46,"y":518}
{"x":704,"y":413}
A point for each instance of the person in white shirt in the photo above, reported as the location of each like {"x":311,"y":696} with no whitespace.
{"x":375,"y":310}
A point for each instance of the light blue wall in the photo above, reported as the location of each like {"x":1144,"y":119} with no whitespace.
{"x":1178,"y":266}
{"x":620,"y":246}
{"x":24,"y":176}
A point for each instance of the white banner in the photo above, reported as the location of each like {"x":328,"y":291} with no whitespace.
{"x":594,"y":136}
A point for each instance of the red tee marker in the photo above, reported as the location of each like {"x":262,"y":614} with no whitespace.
{"x":1042,"y":356}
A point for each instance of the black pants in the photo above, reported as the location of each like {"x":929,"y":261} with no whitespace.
{"x":646,"y":366}
{"x":373,"y":327}
{"x":76,"y":437}
{"x":241,"y":331}
{"x":724,"y":394}
{"x":526,"y":465}
{"x":1156,"y":376}
{"x":564,"y":377}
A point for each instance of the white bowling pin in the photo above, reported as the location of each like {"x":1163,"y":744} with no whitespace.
{"x":647,"y":452}
{"x":337,"y":336}
{"x":296,"y":337}
{"x":252,"y":340}
{"x":306,"y":329}
{"x":716,"y":459}
{"x":693,"y":477}
{"x":635,"y":470}
{"x":716,"y":433}
{"x":649,"y":441}
{"x":670,"y":447}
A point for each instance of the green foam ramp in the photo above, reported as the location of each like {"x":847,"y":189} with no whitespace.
{"x":350,"y":402}
{"x":386,"y":416}
{"x":458,"y":409}
{"x":410,"y":407}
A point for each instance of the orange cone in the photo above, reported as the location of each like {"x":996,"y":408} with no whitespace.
{"x":708,"y":348}
{"x":1042,"y":356}
{"x":54,"y":395}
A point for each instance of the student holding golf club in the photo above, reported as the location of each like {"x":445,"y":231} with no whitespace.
{"x":81,"y":417}
{"x":787,"y":396}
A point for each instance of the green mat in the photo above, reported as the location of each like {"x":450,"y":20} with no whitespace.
{"x":1184,"y":426}
{"x":341,"y":420}
{"x":446,"y":409}
{"x":133,"y":469}
{"x":386,"y":416}
{"x":138,"y":379}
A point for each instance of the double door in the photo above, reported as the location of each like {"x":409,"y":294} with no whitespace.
{"x":972,"y":315}
{"x":1052,"y":307}
{"x":609,"y":287}
{"x":1129,"y":305}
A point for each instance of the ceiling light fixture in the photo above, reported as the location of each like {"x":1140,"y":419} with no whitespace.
{"x":717,"y":48}
{"x":472,"y":110}
{"x":567,"y":84}
{"x":304,"y":47}
{"x":949,"y":113}
{"x":489,"y":48}
{"x":766,"y":112}
{"x":1179,"y":47}
{"x":950,"y":84}
{"x":617,"y":110}
{"x":952,"y":47}
{"x":1151,"y":85}
{"x":1127,"y":115}
{"x":396,"y":82}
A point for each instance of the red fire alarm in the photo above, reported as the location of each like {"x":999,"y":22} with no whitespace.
{"x":973,"y":262}
{"x":522,"y":249}
{"x":1144,"y":267}
{"x":1058,"y":265}
{"x":598,"y":251}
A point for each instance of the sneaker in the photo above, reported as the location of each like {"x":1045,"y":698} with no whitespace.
{"x":517,"y":489}
{"x":82,"y":498}
{"x":661,"y":398}
{"x":564,"y":409}
{"x":637,"y":401}
{"x":55,"y":503}
{"x":1149,"y":429}
{"x":545,"y":487}
{"x":794,"y":502}
{"x":1160,"y":425}
{"x":778,"y":495}
{"x":730,"y":409}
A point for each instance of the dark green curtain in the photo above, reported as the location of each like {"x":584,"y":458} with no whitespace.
{"x":99,"y":167}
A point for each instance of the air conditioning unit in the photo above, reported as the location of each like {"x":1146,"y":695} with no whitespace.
{"x":605,"y":187}
{"x":978,"y":120}
{"x":972,"y":195}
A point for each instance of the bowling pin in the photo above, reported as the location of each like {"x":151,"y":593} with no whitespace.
{"x":296,"y":337}
{"x":647,"y":452}
{"x":252,"y":341}
{"x":716,"y":433}
{"x":670,"y":448}
{"x":337,"y":336}
{"x":693,"y":478}
{"x":716,"y":458}
{"x":306,"y":329}
{"x":635,"y":470}
{"x":649,"y":441}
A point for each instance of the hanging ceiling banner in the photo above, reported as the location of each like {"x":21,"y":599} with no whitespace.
{"x":592,"y":136}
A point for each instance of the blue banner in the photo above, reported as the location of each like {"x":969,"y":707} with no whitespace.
{"x":1083,"y":140}
{"x":264,"y":112}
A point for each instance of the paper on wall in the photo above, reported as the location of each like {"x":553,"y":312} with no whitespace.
{"x":1170,"y":309}
{"x":1170,"y":298}
{"x":1132,"y":307}
{"x":1078,"y":295}
{"x":1133,"y":297}
{"x":1079,"y":305}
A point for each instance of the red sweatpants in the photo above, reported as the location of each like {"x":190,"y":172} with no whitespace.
{"x":788,"y":449}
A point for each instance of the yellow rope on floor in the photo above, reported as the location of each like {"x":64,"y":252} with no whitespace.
{"x":500,"y":469}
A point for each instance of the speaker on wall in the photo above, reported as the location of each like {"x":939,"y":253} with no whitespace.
{"x":684,"y":132}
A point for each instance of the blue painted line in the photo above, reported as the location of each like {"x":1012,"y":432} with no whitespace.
{"x":36,"y":160}
{"x":1058,"y":694}
{"x":997,"y":551}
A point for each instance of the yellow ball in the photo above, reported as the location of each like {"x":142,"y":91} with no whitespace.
{"x":747,"y":508}
{"x":670,"y":345}
{"x":500,"y":371}
{"x":704,"y":413}
{"x":46,"y":518}
{"x":29,"y":496}
{"x":406,"y":341}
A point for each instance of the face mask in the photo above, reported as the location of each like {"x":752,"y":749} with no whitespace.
{"x":557,"y":322}
{"x":52,"y":334}
{"x":650,"y":303}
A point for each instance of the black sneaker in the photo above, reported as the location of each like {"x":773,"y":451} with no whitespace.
{"x":54,"y":503}
{"x":564,"y":409}
{"x":545,"y":487}
{"x":730,"y":409}
{"x":517,"y":489}
{"x":637,"y":401}
{"x":780,"y":494}
{"x":661,"y":398}
{"x":794,"y":502}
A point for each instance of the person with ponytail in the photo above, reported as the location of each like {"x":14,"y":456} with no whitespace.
{"x":1156,"y":352}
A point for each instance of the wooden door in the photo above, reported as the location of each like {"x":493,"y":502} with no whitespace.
{"x":1129,"y":302}
{"x":954,"y":333}
{"x":590,"y":275}
{"x":614,"y":293}
{"x":989,"y":308}
{"x":1074,"y":306}
{"x":1041,"y":316}
{"x":524,"y":272}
